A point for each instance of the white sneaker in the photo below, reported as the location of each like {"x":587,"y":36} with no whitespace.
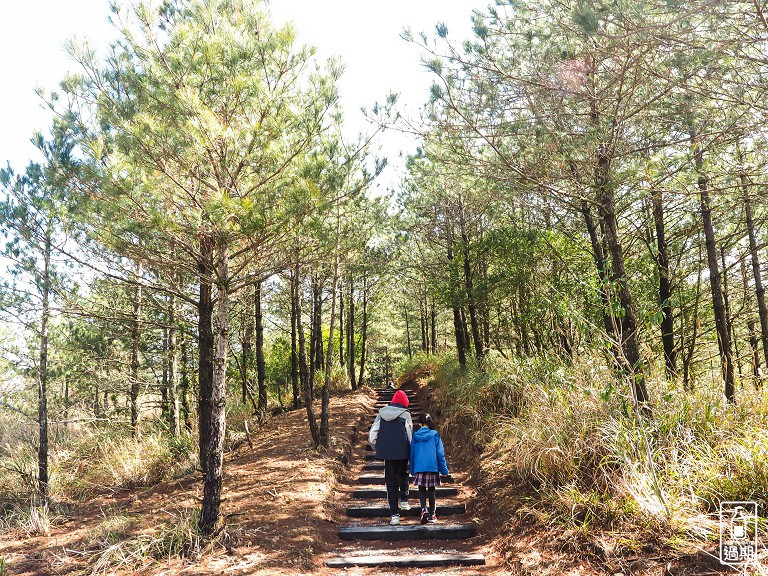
{"x":404,"y":505}
{"x":395,"y":520}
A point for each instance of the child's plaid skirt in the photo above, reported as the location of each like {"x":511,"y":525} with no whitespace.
{"x":427,"y":479}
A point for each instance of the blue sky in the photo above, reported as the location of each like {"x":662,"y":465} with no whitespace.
{"x":363,"y":33}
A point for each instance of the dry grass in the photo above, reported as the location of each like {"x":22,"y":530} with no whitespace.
{"x":590,"y":466}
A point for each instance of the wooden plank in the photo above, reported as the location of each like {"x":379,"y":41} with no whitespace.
{"x":441,"y":492}
{"x":409,"y":532}
{"x":415,"y":511}
{"x":407,"y":560}
{"x":376,"y":480}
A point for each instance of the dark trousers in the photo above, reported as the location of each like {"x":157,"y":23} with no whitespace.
{"x":396,"y":479}
{"x":425,"y":491}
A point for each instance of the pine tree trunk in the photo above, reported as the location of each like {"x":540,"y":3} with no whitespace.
{"x":408,"y":332}
{"x":307,"y":383}
{"x":318,"y":329}
{"x":164,"y":378}
{"x":247,"y":363}
{"x":691,"y":349}
{"x":363,"y":331}
{"x":324,"y":411}
{"x":184,"y":386}
{"x":728,"y":315}
{"x":754,"y":340}
{"x":205,"y":345}
{"x":627,"y":322}
{"x":718,"y":305}
{"x":665,"y":288}
{"x":351,"y":355}
{"x":422,"y":325}
{"x":312,"y":330}
{"x":135,"y":343}
{"x":173,"y":370}
{"x":433,"y":326}
{"x":341,"y":323}
{"x":465,"y":331}
{"x":473,"y":320}
{"x":602,"y":272}
{"x":214,"y":450}
{"x":42,"y":391}
{"x":294,"y":349}
{"x":261,"y":371}
{"x":762,"y":309}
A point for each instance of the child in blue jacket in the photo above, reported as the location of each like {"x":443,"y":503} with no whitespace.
{"x":427,"y":463}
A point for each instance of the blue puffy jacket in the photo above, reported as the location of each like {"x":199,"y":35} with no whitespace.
{"x":427,"y":452}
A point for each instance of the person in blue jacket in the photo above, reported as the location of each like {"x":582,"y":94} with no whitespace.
{"x":427,"y":463}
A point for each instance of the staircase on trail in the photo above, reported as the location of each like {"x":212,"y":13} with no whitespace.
{"x":409,"y":544}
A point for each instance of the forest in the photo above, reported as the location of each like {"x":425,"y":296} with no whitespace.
{"x":571,"y":265}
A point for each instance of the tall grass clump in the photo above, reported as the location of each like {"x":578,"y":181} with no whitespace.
{"x":105,"y":459}
{"x":113,"y":548}
{"x":585,"y":456}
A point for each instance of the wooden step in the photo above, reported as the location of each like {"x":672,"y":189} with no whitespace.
{"x":409,"y":532}
{"x":415,"y":511}
{"x":371,"y":479}
{"x":407,"y":560}
{"x":440,"y":492}
{"x":411,"y":406}
{"x":372,"y":457}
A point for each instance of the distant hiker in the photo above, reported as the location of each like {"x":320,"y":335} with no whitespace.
{"x":390,"y":436}
{"x":391,"y":385}
{"x":427,"y":463}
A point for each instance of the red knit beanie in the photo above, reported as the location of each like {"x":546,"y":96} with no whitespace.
{"x":400,"y":398}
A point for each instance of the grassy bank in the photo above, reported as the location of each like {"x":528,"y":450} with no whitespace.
{"x":567,"y":440}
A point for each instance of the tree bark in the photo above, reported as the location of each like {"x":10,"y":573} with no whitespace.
{"x":423,"y":321}
{"x":341,"y":323}
{"x":718,"y":305}
{"x":316,"y":348}
{"x":294,"y":349}
{"x":184,"y":391}
{"x":627,"y":323}
{"x":688,"y":357}
{"x":762,"y":310}
{"x":602,"y":272}
{"x":261,"y":371}
{"x":665,"y":288}
{"x":325,"y":404}
{"x":363,"y":331}
{"x":408,"y":332}
{"x":205,"y":345}
{"x":173,"y":370}
{"x":214,"y":450}
{"x":465,"y":330}
{"x":728,"y":315}
{"x":351,"y":355}
{"x":135,"y":343}
{"x":473,"y":320}
{"x":433,"y":326}
{"x":42,"y":391}
{"x":754,"y":340}
{"x":307,"y":383}
{"x":164,"y":377}
{"x":247,"y":363}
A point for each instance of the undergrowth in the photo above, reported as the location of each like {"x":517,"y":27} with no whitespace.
{"x":112,"y":547}
{"x":97,"y":460}
{"x":590,"y":462}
